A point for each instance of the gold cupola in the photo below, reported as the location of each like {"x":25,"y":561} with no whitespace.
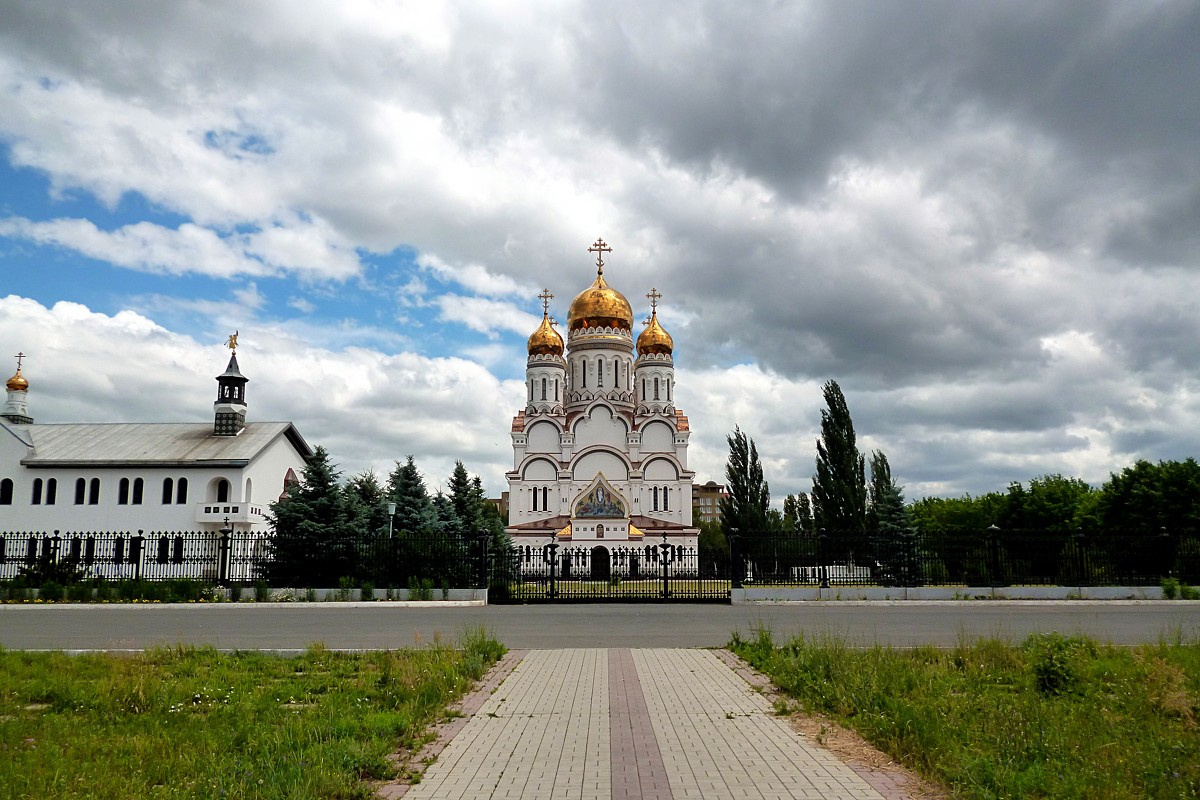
{"x":654,"y":338}
{"x":599,"y":305}
{"x":545,"y":341}
{"x":17,"y":383}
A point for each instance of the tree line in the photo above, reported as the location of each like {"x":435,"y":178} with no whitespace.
{"x":854,"y":498}
{"x":326,"y":529}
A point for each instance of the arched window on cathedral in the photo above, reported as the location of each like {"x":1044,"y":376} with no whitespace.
{"x":655,"y":506}
{"x":666,"y":498}
{"x":556,"y":390}
{"x":80,"y":490}
{"x":643,"y":388}
{"x":600,"y":372}
{"x":531,"y":390}
{"x":94,"y":492}
{"x":656,"y":388}
{"x":583,"y":363}
{"x":181,"y":491}
{"x":543,"y":388}
{"x":37,"y":492}
{"x":51,"y":491}
{"x":668,"y":390}
{"x":139,"y":487}
{"x":545,"y":498}
{"x":6,"y":492}
{"x":168,"y":493}
{"x":123,"y":492}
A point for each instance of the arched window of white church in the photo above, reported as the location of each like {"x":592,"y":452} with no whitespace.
{"x":531,"y":390}
{"x":643,"y":388}
{"x":583,"y":364}
{"x":545,"y":498}
{"x":222,"y":491}
{"x":6,"y":492}
{"x":656,"y":388}
{"x":543,"y":388}
{"x":80,"y":490}
{"x":556,"y":390}
{"x":168,"y":493}
{"x":655,"y":506}
{"x":599,"y":372}
{"x":94,"y":492}
{"x":616,"y":374}
{"x":181,"y":491}
{"x":666,"y":498}
{"x":51,"y":491}
{"x":123,"y":492}
{"x":37,"y":491}
{"x":139,"y":487}
{"x":668,"y":390}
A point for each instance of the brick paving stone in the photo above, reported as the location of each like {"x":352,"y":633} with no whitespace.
{"x":658,"y":724}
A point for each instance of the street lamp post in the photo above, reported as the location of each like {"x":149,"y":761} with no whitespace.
{"x":550,"y":554}
{"x":391,"y":517}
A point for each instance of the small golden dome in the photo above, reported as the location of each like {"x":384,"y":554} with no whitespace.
{"x":600,"y":306}
{"x":17,"y":383}
{"x":654,"y":339}
{"x":545,"y":341}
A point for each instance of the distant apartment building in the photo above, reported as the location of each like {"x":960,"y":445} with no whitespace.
{"x":706,"y":501}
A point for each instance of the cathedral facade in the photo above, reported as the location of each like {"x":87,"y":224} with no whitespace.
{"x":600,"y":449}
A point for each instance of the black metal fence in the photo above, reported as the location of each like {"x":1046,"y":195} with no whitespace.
{"x":244,"y":557}
{"x":991,"y":557}
{"x":620,"y":573}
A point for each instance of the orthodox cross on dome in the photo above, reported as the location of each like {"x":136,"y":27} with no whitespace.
{"x":654,"y":295}
{"x":545,"y":297}
{"x":231,"y":343}
{"x":599,"y":248}
{"x":20,"y":357}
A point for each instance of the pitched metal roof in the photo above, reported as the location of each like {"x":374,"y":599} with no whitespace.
{"x":181,"y":444}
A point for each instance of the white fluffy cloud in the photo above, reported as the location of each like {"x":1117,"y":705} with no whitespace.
{"x":979,"y":219}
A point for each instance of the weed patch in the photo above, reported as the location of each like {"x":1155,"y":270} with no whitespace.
{"x":194,"y":723}
{"x":1057,"y":716}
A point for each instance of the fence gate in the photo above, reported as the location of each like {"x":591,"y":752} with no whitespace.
{"x":618,"y":573}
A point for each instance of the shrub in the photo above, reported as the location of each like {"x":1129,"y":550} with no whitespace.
{"x":1188,"y":592}
{"x":1057,"y":661}
{"x":51,"y":592}
{"x":445,"y":588}
{"x":1170,"y":588}
{"x":235,"y":592}
{"x":262,"y":592}
{"x":79,"y":592}
{"x":366,"y":591}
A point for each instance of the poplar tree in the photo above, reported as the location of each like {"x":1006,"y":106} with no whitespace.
{"x":839,"y":487}
{"x":745,"y":506}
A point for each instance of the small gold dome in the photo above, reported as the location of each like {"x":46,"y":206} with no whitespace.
{"x":545,"y":341}
{"x":654,"y":339}
{"x":600,"y":306}
{"x":17,"y":383}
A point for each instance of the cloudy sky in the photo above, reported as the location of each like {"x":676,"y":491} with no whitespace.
{"x":981,"y":219}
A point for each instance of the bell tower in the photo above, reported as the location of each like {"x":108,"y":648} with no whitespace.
{"x":230,"y":405}
{"x":16,"y":407}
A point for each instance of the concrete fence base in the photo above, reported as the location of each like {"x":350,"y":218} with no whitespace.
{"x":783,"y":594}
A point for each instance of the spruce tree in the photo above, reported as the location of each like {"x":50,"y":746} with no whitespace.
{"x":311,"y":543}
{"x":839,"y":492}
{"x":407,"y":490}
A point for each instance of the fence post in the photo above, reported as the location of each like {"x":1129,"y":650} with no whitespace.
{"x":823,"y":557}
{"x":666,"y":555}
{"x":135,"y":554}
{"x":910,"y":577}
{"x":735,"y":560}
{"x":481,"y":561}
{"x":224,"y":549}
{"x":993,"y":555}
{"x":55,"y":543}
{"x":1079,"y":561}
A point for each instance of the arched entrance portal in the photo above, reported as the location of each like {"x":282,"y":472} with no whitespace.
{"x":601,"y":568}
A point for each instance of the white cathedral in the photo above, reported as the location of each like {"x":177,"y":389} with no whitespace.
{"x":600,"y":449}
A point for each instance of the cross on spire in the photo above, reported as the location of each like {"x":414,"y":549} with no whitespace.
{"x":20,"y":357}
{"x":545,"y":297}
{"x":654,"y":295}
{"x":599,"y":248}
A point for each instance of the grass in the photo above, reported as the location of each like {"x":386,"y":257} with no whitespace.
{"x":196,"y":723}
{"x":1056,"y":717}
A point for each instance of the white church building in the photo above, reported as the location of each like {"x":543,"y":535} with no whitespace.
{"x":111,"y":477}
{"x":600,"y":449}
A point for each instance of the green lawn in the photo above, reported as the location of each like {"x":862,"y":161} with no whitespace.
{"x":195,"y":723}
{"x":1054,"y":718}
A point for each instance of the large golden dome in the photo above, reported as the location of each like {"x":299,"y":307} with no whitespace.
{"x":654,"y":338}
{"x":17,"y":383}
{"x":600,"y":306}
{"x":545,"y":341}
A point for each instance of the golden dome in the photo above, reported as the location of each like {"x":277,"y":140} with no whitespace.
{"x":600,"y":306}
{"x":545,"y":341}
{"x":17,"y":383}
{"x":654,"y":339}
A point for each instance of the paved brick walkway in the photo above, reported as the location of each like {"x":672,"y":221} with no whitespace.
{"x":660,"y":724}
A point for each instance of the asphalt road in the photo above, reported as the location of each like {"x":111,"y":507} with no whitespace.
{"x":249,"y":626}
